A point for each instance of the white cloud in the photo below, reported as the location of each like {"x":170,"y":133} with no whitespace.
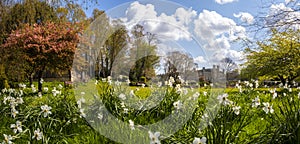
{"x":213,"y":30}
{"x":218,"y":43}
{"x":236,"y":56}
{"x":224,"y":1}
{"x":200,"y":60}
{"x":136,"y":12}
{"x":217,"y":30}
{"x":174,"y":27}
{"x":245,"y":17}
{"x":184,"y":15}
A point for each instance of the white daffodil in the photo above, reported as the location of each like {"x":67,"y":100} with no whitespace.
{"x":109,"y":80}
{"x":159,"y":84}
{"x":275,"y":95}
{"x":126,"y":110}
{"x":7,"y":139}
{"x":33,"y":89}
{"x":177,"y":105}
{"x":14,"y":112}
{"x":12,"y":102}
{"x":199,"y":141}
{"x":172,"y":80}
{"x":240,"y":89}
{"x":236,"y":110}
{"x":268,"y":108}
{"x":154,"y":138}
{"x":80,"y":102}
{"x":5,"y":99}
{"x":82,"y":114}
{"x":256,"y":84}
{"x":46,"y":110}
{"x":178,"y":89}
{"x":55,"y":92}
{"x":131,"y":125}
{"x":21,"y":93}
{"x":60,"y":86}
{"x":46,"y":89}
{"x":122,"y":104}
{"x":196,"y":95}
{"x":122,"y":96}
{"x":251,"y":85}
{"x":17,"y":127}
{"x":40,"y":94}
{"x":131,"y":93}
{"x":224,"y":100}
{"x":21,"y":85}
{"x":256,"y":102}
{"x":42,"y":80}
{"x":38,"y":135}
{"x":19,"y":100}
{"x":100,"y":116}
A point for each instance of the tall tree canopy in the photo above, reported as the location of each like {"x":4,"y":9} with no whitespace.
{"x":28,"y":12}
{"x":48,"y":46}
{"x":143,"y":54}
{"x":277,"y":57}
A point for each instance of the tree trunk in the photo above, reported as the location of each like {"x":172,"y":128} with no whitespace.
{"x":282,"y":79}
{"x":40,"y":84}
{"x":70,"y":75}
{"x":30,"y":79}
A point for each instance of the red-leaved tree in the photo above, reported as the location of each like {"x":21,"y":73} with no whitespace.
{"x":49,"y":46}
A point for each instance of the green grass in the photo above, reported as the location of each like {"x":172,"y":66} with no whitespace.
{"x":66,"y":125}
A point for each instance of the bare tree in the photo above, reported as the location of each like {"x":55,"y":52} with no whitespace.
{"x":179,"y":63}
{"x":276,"y":14}
{"x":228,"y":65}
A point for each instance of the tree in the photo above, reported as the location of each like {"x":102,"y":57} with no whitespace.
{"x":277,"y":57}
{"x":228,"y":64}
{"x":29,"y":12}
{"x":50,"y":46}
{"x":143,"y":54}
{"x":115,"y":43}
{"x":13,"y":16}
{"x":179,"y":63}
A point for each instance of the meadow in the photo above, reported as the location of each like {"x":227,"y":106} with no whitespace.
{"x":116,"y":113}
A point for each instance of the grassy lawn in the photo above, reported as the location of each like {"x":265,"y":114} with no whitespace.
{"x":109,"y":113}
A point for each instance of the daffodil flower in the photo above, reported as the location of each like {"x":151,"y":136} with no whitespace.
{"x":200,"y":141}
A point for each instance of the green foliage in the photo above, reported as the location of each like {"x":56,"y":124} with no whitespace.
{"x":277,"y":57}
{"x":143,"y":54}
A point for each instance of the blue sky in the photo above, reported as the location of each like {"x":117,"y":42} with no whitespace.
{"x":205,"y":29}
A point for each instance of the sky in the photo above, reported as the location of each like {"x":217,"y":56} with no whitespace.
{"x":205,"y":29}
